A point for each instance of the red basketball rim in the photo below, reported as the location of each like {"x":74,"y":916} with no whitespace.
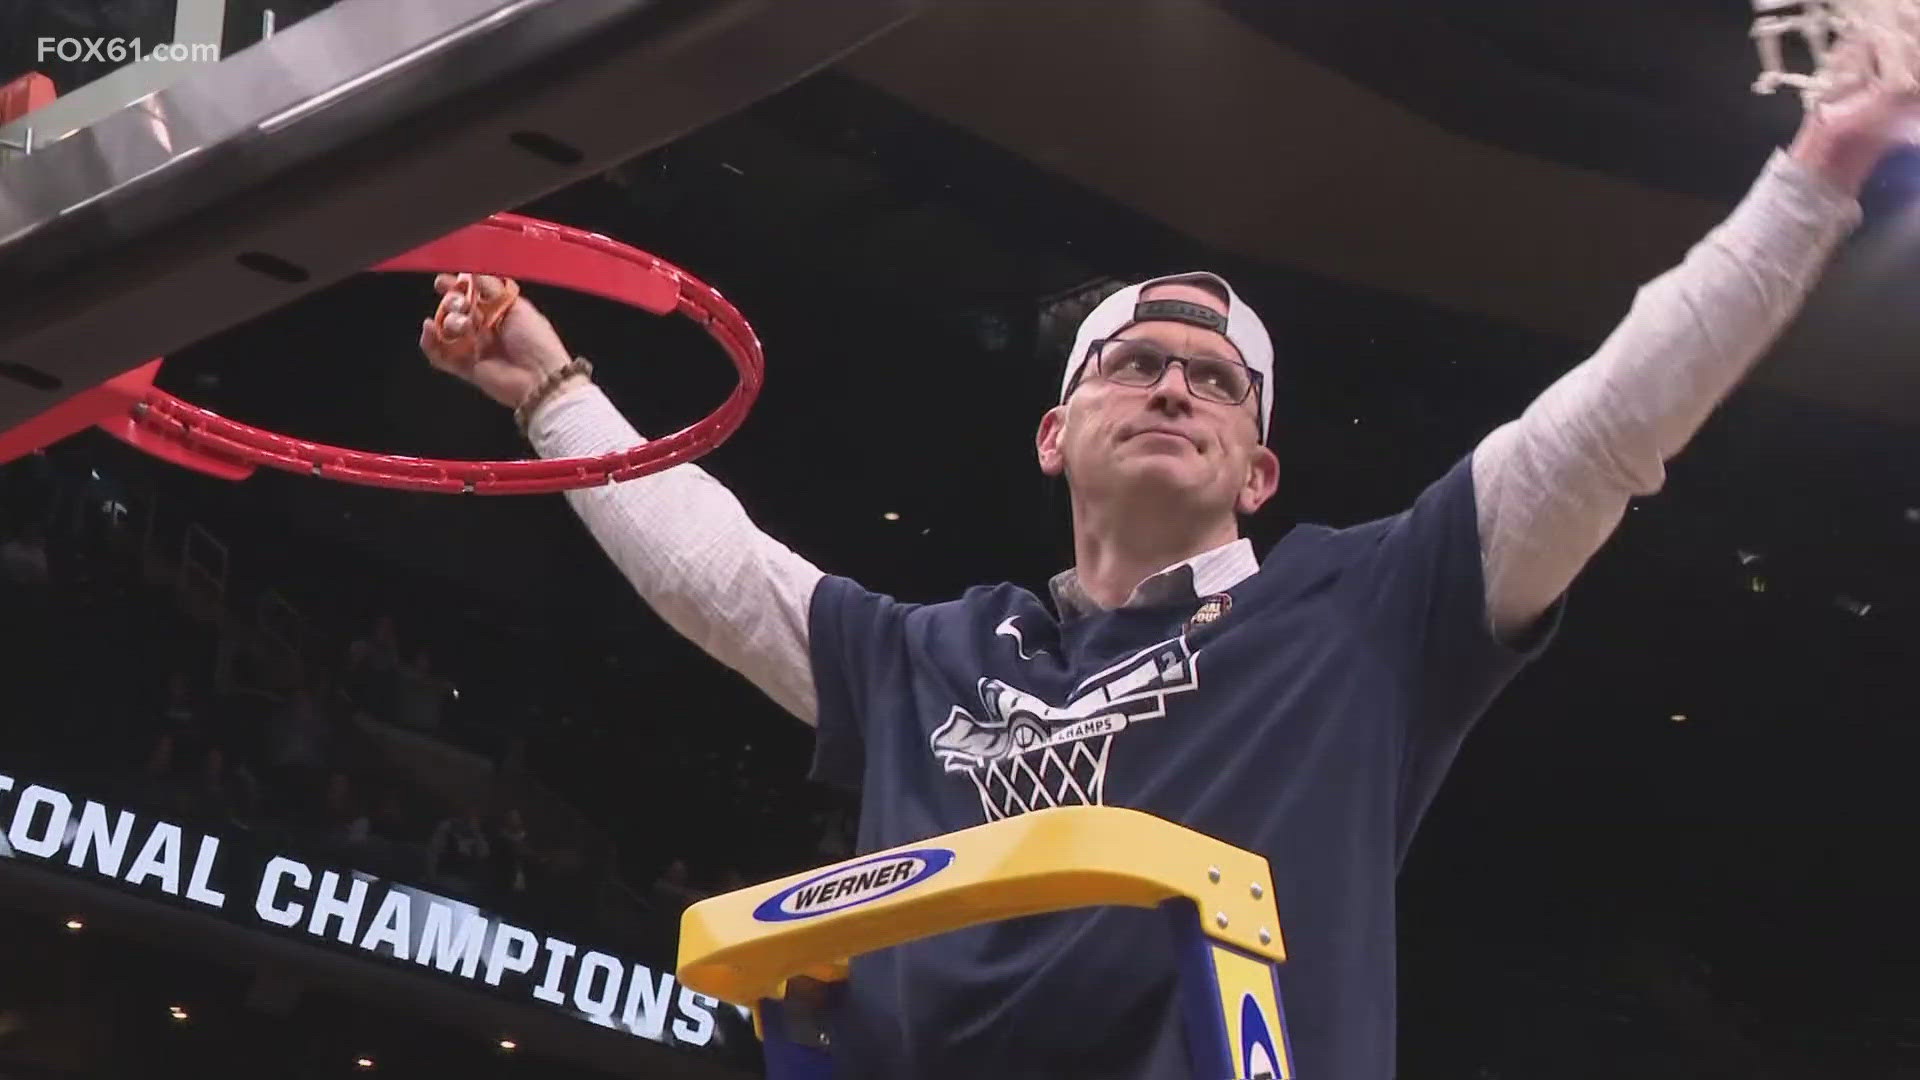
{"x":506,"y":245}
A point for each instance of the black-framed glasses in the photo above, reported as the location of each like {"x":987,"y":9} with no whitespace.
{"x":1140,"y":363}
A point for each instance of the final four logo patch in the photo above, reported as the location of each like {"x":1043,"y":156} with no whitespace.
{"x":1210,"y":611}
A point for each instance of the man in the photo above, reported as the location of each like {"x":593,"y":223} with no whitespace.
{"x":1305,"y":707}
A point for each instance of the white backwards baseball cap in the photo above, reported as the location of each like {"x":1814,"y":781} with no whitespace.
{"x":1240,"y":325}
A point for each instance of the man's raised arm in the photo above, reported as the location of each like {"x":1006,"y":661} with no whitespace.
{"x":681,"y":539}
{"x":1553,"y":485}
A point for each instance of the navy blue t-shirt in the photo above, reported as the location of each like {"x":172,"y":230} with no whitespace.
{"x":1311,"y":722}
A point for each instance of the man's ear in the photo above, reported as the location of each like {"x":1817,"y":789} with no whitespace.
{"x":1046,"y":442}
{"x":1263,"y":479}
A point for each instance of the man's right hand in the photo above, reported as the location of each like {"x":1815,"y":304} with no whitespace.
{"x":510,"y":362}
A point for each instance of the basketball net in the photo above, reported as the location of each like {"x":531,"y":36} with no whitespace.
{"x":1848,"y":43}
{"x":1074,"y":774}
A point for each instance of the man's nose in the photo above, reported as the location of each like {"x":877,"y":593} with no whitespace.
{"x":1170,"y":395}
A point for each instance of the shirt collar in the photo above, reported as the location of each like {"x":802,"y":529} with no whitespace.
{"x":1205,"y":574}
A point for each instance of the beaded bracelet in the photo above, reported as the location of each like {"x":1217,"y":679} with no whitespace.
{"x":539,"y":394}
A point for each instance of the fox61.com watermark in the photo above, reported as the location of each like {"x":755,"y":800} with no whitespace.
{"x":126,"y":50}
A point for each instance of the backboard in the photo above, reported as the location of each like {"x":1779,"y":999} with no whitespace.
{"x":175,"y":197}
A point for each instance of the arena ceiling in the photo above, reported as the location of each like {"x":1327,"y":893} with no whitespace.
{"x":1533,"y":163}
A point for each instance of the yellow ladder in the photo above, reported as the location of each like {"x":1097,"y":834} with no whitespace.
{"x":782,"y":948}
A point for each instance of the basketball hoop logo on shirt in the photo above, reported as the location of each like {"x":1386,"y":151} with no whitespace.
{"x":1023,"y":753}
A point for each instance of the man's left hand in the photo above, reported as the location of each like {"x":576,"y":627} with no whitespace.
{"x":1845,"y":139}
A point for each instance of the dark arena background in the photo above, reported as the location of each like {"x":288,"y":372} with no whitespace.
{"x":1679,"y":848}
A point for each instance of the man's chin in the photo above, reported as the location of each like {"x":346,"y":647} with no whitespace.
{"x":1162,"y":476}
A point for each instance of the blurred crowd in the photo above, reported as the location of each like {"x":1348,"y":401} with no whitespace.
{"x":139,"y":689}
